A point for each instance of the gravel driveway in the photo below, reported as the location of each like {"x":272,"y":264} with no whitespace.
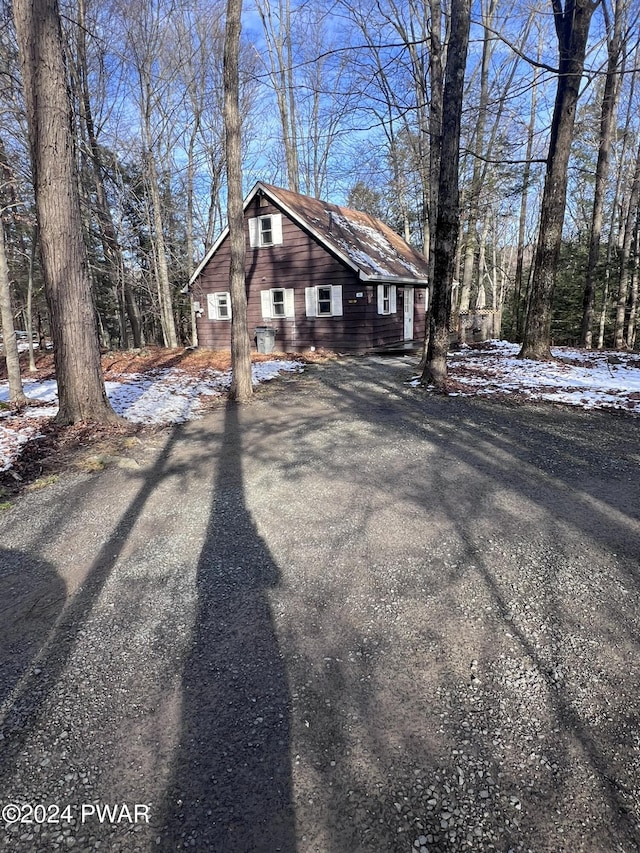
{"x":346,"y":617}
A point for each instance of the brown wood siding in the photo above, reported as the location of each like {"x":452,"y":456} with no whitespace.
{"x":299,"y":262}
{"x":419,"y":314}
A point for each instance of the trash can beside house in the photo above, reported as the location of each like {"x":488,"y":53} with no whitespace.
{"x":265,"y":339}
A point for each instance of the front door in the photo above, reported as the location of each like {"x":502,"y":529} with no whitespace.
{"x":408,"y":313}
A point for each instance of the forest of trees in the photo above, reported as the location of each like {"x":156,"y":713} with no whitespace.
{"x":342,"y":101}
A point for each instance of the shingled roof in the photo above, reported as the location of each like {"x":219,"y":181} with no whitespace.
{"x":370,"y":245}
{"x":363,"y":242}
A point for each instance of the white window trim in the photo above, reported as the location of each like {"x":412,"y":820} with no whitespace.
{"x":393,"y":299}
{"x":255,"y":231}
{"x":266,"y":302}
{"x":213,"y":305}
{"x":311,"y":300}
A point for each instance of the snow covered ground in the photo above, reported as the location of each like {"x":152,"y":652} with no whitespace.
{"x":157,"y":397}
{"x":592,"y":380}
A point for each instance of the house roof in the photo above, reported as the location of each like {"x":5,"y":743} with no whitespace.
{"x":362,"y":242}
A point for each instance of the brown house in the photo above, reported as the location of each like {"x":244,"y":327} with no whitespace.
{"x":317,"y":275}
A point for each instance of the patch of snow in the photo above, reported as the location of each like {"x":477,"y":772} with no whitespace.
{"x":158,"y":397}
{"x":578,"y":377}
{"x":12,"y":442}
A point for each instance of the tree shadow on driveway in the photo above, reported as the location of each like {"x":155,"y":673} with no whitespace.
{"x":475,"y":617}
{"x":231,"y":781}
{"x":32,"y":595}
{"x":50,"y":629}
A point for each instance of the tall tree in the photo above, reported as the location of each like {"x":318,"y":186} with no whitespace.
{"x":607,"y":123}
{"x":436,"y":79}
{"x":241,"y":384}
{"x":10,"y":346}
{"x":448,"y":216}
{"x":486,"y":145}
{"x":628,"y":234}
{"x":109,"y":238}
{"x":278,"y":39}
{"x":487,"y":11}
{"x":572,"y":22}
{"x":518,"y":290}
{"x":620,"y":201}
{"x":147,"y":24}
{"x":65,"y":266}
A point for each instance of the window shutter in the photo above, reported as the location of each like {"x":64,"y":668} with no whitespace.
{"x":265,"y":301}
{"x":381,"y":299}
{"x":336,"y":300}
{"x":393,"y":302}
{"x":276,"y":229}
{"x":310,"y":301}
{"x":212,"y":307}
{"x":289,"y":303}
{"x":254,"y":233}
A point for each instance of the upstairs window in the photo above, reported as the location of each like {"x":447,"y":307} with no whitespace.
{"x":265,"y":230}
{"x":324,"y":300}
{"x":277,"y":302}
{"x":219,"y":305}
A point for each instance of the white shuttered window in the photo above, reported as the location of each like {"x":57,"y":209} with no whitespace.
{"x":323,"y":301}
{"x":219,"y":305}
{"x":265,"y":230}
{"x":277,"y":302}
{"x":387,"y":300}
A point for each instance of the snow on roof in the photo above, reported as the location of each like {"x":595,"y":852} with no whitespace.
{"x":361,"y":241}
{"x":366,"y":242}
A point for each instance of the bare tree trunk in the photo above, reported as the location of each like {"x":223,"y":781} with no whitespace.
{"x":9,"y":184}
{"x":414,"y":32}
{"x":625,"y":254}
{"x":607,"y":123}
{"x":572,"y":28}
{"x":108,"y":235}
{"x":29,"y":311}
{"x":160,"y":251}
{"x":630,"y":335}
{"x":518,"y":313}
{"x":448,"y":218}
{"x":241,"y":385}
{"x":65,"y":265}
{"x":436,"y":79}
{"x":488,"y":8}
{"x":10,"y":345}
{"x":617,"y":206}
{"x":189,"y":225}
{"x":481,"y":298}
{"x":156,"y":221}
{"x":281,"y":73}
{"x":603,"y":311}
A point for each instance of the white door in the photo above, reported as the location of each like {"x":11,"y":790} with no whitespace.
{"x":408,"y":313}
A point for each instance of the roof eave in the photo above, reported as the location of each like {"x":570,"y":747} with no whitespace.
{"x":394,"y":279}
